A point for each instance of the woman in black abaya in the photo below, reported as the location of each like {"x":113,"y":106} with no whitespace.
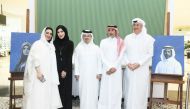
{"x":64,"y":51}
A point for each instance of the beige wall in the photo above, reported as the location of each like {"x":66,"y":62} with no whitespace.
{"x":16,"y":9}
{"x":181,"y":13}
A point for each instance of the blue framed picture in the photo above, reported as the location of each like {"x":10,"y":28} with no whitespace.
{"x":168,"y":55}
{"x":20,"y":47}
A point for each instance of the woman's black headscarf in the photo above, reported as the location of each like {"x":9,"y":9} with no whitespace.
{"x":59,"y":41}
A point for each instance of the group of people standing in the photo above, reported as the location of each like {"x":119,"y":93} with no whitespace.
{"x":98,"y":69}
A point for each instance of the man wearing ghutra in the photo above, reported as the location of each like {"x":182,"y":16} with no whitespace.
{"x":112,"y":48}
{"x":138,"y":55}
{"x":88,"y":67}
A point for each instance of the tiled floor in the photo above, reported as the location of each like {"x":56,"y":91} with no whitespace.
{"x":4,"y":101}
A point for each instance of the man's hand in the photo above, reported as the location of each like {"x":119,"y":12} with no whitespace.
{"x":108,"y":72}
{"x":63,"y":74}
{"x":111,"y":70}
{"x":136,"y":66}
{"x":99,"y":76}
{"x":77,"y":77}
{"x":133,"y":66}
{"x":130,"y":66}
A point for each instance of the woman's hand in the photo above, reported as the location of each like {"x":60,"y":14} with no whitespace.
{"x":40,"y":77}
{"x":99,"y":76}
{"x":63,"y":74}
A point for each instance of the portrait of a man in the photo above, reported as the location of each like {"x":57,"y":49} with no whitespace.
{"x":168,"y":64}
{"x":168,"y":55}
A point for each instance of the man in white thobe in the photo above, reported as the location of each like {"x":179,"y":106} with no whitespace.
{"x":88,"y":68}
{"x":112,"y":49}
{"x":138,"y":54}
{"x":167,"y":65}
{"x":75,"y":83}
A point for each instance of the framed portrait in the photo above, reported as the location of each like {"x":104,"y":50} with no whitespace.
{"x":20,"y":47}
{"x":168,"y":55}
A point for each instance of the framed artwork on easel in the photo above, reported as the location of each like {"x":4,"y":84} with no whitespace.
{"x":168,"y":55}
{"x":20,"y":47}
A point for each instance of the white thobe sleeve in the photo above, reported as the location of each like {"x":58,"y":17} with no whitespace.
{"x":76,"y":63}
{"x":149,"y":53}
{"x":99,"y":62}
{"x":105,"y":63}
{"x":125,"y":59}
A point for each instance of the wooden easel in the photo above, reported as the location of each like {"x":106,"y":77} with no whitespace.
{"x":167,"y":79}
{"x":187,"y":92}
{"x":16,"y":76}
